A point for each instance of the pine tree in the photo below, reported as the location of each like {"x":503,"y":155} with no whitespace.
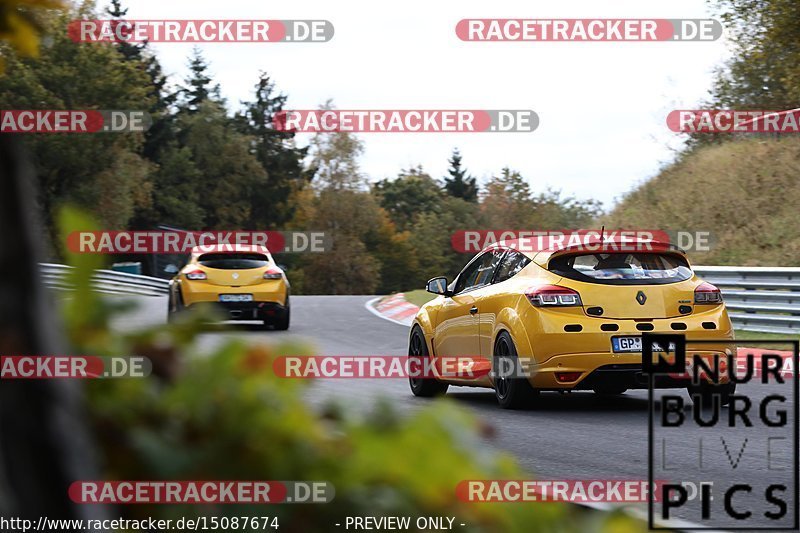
{"x":200,"y":88}
{"x":128,"y":50}
{"x":276,"y":152}
{"x":163,"y":101}
{"x":459,"y":184}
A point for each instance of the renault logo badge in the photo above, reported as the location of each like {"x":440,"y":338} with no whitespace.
{"x":235,"y":275}
{"x":641,"y":298}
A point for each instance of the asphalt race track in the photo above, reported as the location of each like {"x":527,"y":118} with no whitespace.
{"x":569,"y":436}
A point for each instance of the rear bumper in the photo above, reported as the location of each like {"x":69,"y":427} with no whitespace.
{"x":269,"y":292}
{"x":270,"y":299}
{"x":552,"y":346}
{"x":250,"y":310}
{"x":600,"y":370}
{"x":546,"y":334}
{"x":627,"y":377}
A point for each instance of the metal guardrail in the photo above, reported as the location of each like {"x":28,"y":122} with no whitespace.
{"x":764,"y":299}
{"x":105,"y":281}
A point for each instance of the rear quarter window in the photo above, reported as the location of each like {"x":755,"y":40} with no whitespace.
{"x":512,"y":263}
{"x":622,"y":268}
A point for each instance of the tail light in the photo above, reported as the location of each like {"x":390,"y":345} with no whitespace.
{"x":273,"y":274}
{"x":553,"y":296}
{"x":706,"y":293}
{"x":196,"y":275}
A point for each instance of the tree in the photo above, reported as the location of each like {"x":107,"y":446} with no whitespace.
{"x":277,"y":153}
{"x":509,"y":203}
{"x":350,"y":219}
{"x":199,"y":88}
{"x":224,"y":172}
{"x":764,"y":72}
{"x":128,"y":50}
{"x":334,"y":158}
{"x":82,"y":168}
{"x":412,"y":193}
{"x":340,"y":205}
{"x":177,"y":191}
{"x":160,"y":142}
{"x":459,"y":184}
{"x":347,"y":269}
{"x":228,"y":172}
{"x":432,"y":239}
{"x":397,"y":255}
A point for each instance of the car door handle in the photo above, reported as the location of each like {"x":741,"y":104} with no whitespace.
{"x":473,"y":310}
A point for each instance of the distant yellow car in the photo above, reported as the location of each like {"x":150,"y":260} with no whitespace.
{"x":569,"y":318}
{"x":244,"y":281}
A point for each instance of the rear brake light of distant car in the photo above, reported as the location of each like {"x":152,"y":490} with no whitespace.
{"x":196,"y":275}
{"x":272,"y":274}
{"x":706,"y":293}
{"x":553,"y":296}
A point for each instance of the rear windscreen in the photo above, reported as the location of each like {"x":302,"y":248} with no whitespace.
{"x":233,"y":261}
{"x":622,"y":268}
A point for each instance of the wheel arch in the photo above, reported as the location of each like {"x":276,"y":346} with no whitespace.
{"x":425,"y":337}
{"x":509,"y":320}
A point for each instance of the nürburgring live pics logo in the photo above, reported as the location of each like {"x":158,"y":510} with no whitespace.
{"x":743,"y":456}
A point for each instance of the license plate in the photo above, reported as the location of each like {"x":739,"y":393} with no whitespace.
{"x":634,"y":344}
{"x":235,"y":297}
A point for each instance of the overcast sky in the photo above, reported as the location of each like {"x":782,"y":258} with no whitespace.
{"x":602,"y":105}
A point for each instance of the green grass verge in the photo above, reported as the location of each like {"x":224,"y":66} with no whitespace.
{"x":750,"y":335}
{"x":756,"y":336}
{"x":419,"y":297}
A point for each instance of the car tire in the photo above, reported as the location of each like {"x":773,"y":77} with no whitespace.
{"x":283,"y":322}
{"x":418,"y":349}
{"x":174,"y":308}
{"x":511,"y":392}
{"x":706,"y":392}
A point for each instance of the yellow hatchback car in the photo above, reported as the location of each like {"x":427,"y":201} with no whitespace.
{"x":244,"y":281}
{"x":569,"y":319}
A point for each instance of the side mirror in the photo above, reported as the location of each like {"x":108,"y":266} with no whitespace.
{"x":438,"y":286}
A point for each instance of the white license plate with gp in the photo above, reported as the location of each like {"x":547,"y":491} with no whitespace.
{"x":634,"y":344}
{"x":235,"y":297}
